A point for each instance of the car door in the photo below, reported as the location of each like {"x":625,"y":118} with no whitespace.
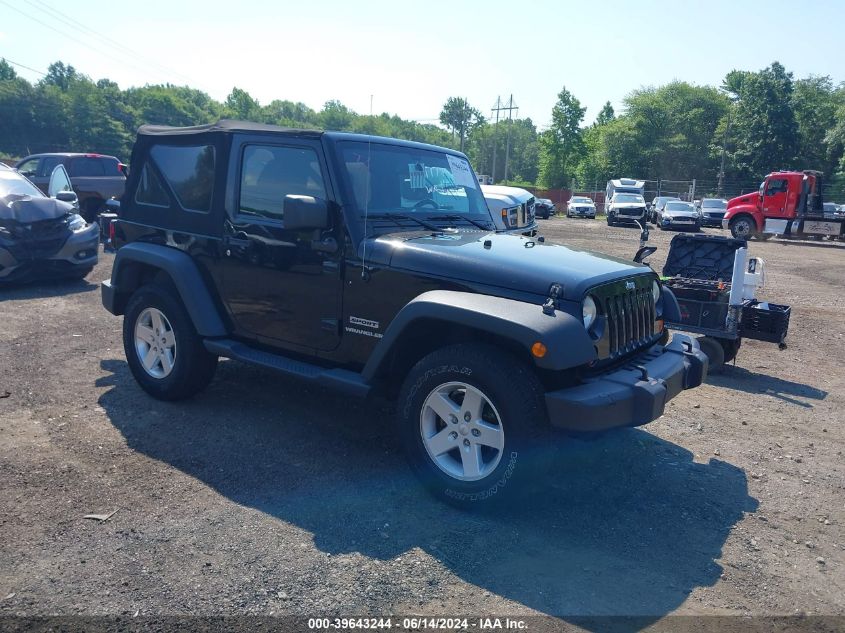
{"x":280,"y":285}
{"x":774,"y":198}
{"x":59,"y":183}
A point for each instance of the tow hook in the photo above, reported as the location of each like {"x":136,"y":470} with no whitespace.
{"x":643,"y":373}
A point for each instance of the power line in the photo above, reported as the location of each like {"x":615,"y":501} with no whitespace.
{"x":62,"y":33}
{"x":81,"y":42}
{"x":56,"y":14}
{"x":14,"y":63}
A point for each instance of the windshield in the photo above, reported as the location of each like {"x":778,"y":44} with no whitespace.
{"x":13,"y":185}
{"x":581,"y":200}
{"x":628,"y":197}
{"x":406,"y":180}
{"x":679,"y":206}
{"x":714,"y":204}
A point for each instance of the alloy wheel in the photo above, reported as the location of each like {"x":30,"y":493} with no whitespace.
{"x":462,"y":431}
{"x":155,"y":343}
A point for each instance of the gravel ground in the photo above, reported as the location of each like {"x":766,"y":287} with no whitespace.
{"x":262,"y":496}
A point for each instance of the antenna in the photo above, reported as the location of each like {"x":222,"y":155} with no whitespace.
{"x":364,"y":274}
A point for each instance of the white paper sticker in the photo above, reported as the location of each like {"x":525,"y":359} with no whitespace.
{"x":461,"y":171}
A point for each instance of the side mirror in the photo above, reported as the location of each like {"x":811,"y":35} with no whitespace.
{"x":67,"y":196}
{"x":305,"y":212}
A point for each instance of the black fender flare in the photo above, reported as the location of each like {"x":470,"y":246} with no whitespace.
{"x":567,"y":342}
{"x":671,"y":312}
{"x":182,"y":270}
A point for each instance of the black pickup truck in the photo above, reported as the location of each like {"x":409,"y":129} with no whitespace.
{"x":369,"y":265}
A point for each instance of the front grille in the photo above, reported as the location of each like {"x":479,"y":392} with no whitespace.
{"x":629,"y":316}
{"x":39,"y":239}
{"x":630,"y":320}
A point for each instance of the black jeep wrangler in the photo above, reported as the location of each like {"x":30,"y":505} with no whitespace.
{"x":369,"y":265}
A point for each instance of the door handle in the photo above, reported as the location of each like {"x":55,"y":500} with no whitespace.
{"x":238,"y":242}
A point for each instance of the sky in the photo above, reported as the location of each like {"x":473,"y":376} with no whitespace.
{"x":412,"y":56}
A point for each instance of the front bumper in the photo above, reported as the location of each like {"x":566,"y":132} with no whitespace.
{"x":680,"y":223}
{"x":77,"y":254}
{"x":715,"y":222}
{"x":632,"y":395}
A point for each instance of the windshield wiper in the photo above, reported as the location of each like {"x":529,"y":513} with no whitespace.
{"x":402,"y":216}
{"x":481,"y":225}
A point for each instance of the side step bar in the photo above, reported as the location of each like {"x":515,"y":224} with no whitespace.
{"x":348,"y":382}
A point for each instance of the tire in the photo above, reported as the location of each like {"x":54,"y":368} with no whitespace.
{"x":610,"y":222}
{"x":82,"y":274}
{"x":730,"y":348}
{"x":712,"y":347}
{"x":91,"y":209}
{"x":743,"y":228}
{"x":513,"y":423}
{"x":183,"y":367}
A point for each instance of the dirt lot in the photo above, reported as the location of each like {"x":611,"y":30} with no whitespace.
{"x":264,"y":497}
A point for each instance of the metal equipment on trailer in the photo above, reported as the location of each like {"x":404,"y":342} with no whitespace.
{"x":715,"y":282}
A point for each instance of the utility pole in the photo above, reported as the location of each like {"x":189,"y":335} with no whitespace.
{"x":692,"y":191}
{"x":724,"y":151}
{"x":495,"y":136}
{"x":511,"y":107}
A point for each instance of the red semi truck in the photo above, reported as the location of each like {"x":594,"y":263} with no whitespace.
{"x":788,"y":204}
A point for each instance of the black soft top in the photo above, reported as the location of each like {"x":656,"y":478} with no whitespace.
{"x":225,"y":126}
{"x":230,"y":126}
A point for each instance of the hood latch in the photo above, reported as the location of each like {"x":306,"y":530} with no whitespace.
{"x":555,"y":291}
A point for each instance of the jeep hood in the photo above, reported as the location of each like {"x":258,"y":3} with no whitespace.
{"x":28,"y":209}
{"x":514,"y":262}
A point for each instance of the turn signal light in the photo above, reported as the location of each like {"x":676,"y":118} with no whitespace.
{"x":538,"y":349}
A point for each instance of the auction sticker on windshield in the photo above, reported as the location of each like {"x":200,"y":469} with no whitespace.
{"x":461,"y":171}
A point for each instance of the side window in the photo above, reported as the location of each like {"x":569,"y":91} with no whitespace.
{"x":110,"y":166}
{"x":189,"y":170}
{"x":48,"y":164}
{"x":59,"y":181}
{"x":269,"y":173}
{"x":30,"y":167}
{"x":777,"y":185}
{"x":150,"y":190}
{"x":86,"y":167}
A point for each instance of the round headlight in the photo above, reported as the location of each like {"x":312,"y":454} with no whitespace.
{"x":655,"y":291}
{"x":589,"y":312}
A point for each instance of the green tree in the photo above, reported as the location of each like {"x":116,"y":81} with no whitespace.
{"x":336,"y":116}
{"x":460,"y":118}
{"x":814,"y":101}
{"x":7,"y":73}
{"x":240,"y":105}
{"x":606,"y":114}
{"x":60,"y":75}
{"x":765,"y":129}
{"x":562,"y":145}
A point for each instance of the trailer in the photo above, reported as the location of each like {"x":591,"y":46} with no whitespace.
{"x":715,"y":282}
